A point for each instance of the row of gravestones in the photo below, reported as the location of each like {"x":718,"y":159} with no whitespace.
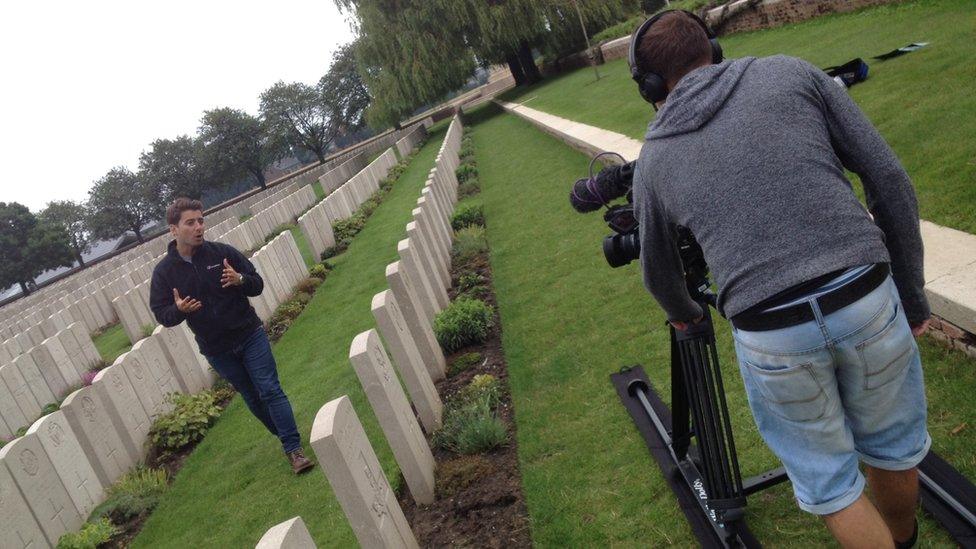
{"x":282,"y":267}
{"x":409,"y":142}
{"x":316,"y":224}
{"x":53,"y":477}
{"x":404,"y":313}
{"x":88,"y":296}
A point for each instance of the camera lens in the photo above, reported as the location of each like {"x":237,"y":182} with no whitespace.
{"x":621,"y":249}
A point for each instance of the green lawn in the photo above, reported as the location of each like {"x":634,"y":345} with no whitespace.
{"x":923,"y":103}
{"x":569,"y":321}
{"x":237,"y":484}
{"x":112,"y":343}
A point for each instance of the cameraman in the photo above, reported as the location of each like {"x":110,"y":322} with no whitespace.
{"x":749,"y":154}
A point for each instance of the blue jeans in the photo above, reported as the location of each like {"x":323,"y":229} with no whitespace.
{"x":838,"y":389}
{"x":251,"y":369}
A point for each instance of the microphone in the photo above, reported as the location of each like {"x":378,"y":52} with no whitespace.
{"x":592,"y":193}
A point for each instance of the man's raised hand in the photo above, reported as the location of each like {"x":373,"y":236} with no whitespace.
{"x":230,"y":277}
{"x":186,"y":305}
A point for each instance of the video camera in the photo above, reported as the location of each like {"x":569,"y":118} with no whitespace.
{"x":615,"y":181}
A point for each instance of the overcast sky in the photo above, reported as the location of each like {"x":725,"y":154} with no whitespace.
{"x":88,"y":85}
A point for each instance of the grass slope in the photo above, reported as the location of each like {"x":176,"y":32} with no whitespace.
{"x":923,"y":102}
{"x":570,"y":321}
{"x":237,"y":484}
{"x":112,"y":343}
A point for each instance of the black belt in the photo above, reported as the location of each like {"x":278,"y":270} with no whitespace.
{"x":756,"y":320}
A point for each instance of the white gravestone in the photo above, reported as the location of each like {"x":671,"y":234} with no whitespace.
{"x":418,"y":279}
{"x":35,"y":380}
{"x":13,"y":416}
{"x":85,"y":343}
{"x":420,"y":329}
{"x":188,"y":372}
{"x":62,"y":360}
{"x":20,"y":529}
{"x":90,"y":421}
{"x":151,"y":354}
{"x":291,"y":534}
{"x":39,"y":483}
{"x":128,"y":416}
{"x":70,"y":462}
{"x":379,"y":381}
{"x":348,"y":460}
{"x":49,"y":369}
{"x":21,"y":393}
{"x":190,"y":343}
{"x":415,"y":375}
{"x":145,"y":387}
{"x":427,"y":262}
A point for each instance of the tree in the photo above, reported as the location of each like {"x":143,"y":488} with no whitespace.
{"x":29,"y":246}
{"x":312,"y":117}
{"x":236,"y":144}
{"x":121,"y":201}
{"x":72,"y":217}
{"x":173,"y":165}
{"x":406,"y":61}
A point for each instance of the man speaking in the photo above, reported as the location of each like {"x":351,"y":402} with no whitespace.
{"x":207,"y":284}
{"x":749,"y":155}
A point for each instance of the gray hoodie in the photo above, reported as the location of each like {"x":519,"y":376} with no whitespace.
{"x":750,"y":154}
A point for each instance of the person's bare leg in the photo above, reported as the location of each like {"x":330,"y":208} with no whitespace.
{"x":859,"y":525}
{"x":896,"y":496}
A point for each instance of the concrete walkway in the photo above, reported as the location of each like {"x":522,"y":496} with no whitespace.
{"x":950,"y":255}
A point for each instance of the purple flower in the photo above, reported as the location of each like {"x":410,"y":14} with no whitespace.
{"x":88,"y":377}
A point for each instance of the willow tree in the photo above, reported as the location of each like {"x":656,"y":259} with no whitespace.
{"x":414,"y":52}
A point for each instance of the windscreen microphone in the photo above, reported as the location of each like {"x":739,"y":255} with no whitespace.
{"x":592,"y":193}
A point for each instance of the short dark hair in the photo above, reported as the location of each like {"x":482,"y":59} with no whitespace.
{"x":180,"y":205}
{"x":675,"y":44}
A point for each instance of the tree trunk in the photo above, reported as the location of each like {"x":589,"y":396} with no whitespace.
{"x":516,"y":68}
{"x":260,"y":176}
{"x":23,"y":288}
{"x":136,"y":229}
{"x":320,"y":154}
{"x":532,"y":74}
{"x":79,"y":259}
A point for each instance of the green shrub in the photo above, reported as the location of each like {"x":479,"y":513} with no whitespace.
{"x":347,"y":228}
{"x":469,"y":243}
{"x":302,"y":298}
{"x":50,"y":408}
{"x":470,"y":428}
{"x":469,"y":281}
{"x":318,"y":271}
{"x":137,"y":492}
{"x":463,"y":362}
{"x":468,"y":215}
{"x":465,"y":172}
{"x":482,"y":387}
{"x":470,"y":187}
{"x":310,"y":284}
{"x":329,"y":252}
{"x":190,"y":419}
{"x":463,"y":322}
{"x":289,"y":310}
{"x":91,"y":535}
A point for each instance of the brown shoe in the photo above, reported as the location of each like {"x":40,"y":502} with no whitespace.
{"x":299,"y":463}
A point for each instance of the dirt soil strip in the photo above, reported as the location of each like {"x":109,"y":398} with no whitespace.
{"x":479,"y":497}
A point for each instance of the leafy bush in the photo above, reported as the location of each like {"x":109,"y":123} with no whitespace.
{"x":91,"y":535}
{"x":482,"y":387}
{"x":349,"y":227}
{"x":88,"y":377}
{"x":5,"y":440}
{"x":310,"y":284}
{"x":468,"y":215}
{"x":463,"y":362}
{"x":190,"y":419}
{"x":318,"y":271}
{"x":329,"y":252}
{"x":463,"y":322}
{"x":470,"y":428}
{"x":465,"y":172}
{"x":135,"y":493}
{"x":470,"y":281}
{"x":302,"y":298}
{"x":470,"y":187}
{"x":469,"y":243}
{"x":50,"y":408}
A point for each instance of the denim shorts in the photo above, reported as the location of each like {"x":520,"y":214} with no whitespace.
{"x":835,"y":390}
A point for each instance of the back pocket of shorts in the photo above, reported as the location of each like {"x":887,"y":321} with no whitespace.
{"x":793,"y":393}
{"x":886,"y":355}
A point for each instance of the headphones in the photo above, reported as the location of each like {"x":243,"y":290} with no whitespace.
{"x":652,"y":86}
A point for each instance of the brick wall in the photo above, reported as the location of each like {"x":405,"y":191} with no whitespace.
{"x":774,"y":13}
{"x":952,"y":336}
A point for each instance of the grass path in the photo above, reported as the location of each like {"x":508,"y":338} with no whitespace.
{"x":112,"y":343}
{"x":922,"y":103}
{"x":570,"y":321}
{"x":237,"y":484}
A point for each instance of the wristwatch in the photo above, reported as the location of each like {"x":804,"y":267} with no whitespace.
{"x":240,"y":278}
